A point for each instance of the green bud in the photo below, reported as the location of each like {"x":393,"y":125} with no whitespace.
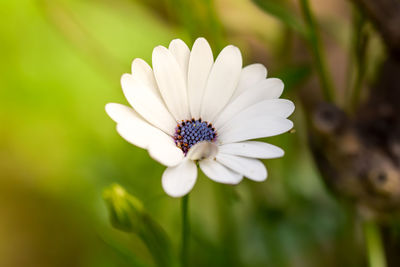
{"x":127,"y":214}
{"x":125,"y":210}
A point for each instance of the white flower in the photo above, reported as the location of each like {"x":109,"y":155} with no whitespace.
{"x":190,"y":109}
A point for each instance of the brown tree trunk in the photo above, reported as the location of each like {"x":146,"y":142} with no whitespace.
{"x":359,"y":155}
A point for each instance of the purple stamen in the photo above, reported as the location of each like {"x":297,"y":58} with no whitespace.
{"x":190,"y":132}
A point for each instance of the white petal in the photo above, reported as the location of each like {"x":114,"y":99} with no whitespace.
{"x":160,"y":146}
{"x":147,"y":104}
{"x":265,"y":89}
{"x":137,"y":131}
{"x":251,"y":168}
{"x":164,"y":150}
{"x":252,"y":149}
{"x":123,"y":114}
{"x":280,"y":108}
{"x":181,"y":53}
{"x":200,"y":63}
{"x":222,"y":82}
{"x":203,"y":150}
{"x":137,"y":136}
{"x":171,"y":82}
{"x":143,"y":72}
{"x":264,"y":119}
{"x":179,"y":180}
{"x":273,"y":87}
{"x":219,"y":173}
{"x":243,"y":127}
{"x":130,"y":125}
{"x":249,"y":76}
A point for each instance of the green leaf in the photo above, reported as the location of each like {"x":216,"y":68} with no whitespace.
{"x":292,"y":76}
{"x":279,"y":10}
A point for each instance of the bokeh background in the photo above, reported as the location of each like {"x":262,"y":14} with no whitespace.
{"x":61,"y":62}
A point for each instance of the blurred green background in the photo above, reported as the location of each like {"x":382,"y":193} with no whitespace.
{"x":61,"y":62}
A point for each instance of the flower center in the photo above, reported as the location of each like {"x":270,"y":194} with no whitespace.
{"x":190,"y":132}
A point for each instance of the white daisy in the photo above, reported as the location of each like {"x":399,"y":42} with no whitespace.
{"x":191,"y":109}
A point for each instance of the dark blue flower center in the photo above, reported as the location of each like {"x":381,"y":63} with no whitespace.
{"x":190,"y":132}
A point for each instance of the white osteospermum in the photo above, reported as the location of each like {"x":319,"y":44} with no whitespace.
{"x":190,"y":109}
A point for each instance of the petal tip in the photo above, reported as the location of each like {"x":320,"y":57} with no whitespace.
{"x":178,"y":181}
{"x":176,"y":41}
{"x":112,"y":110}
{"x":109,"y":107}
{"x":136,"y":63}
{"x":201,"y":40}
{"x":158,"y":49}
{"x":125,"y":77}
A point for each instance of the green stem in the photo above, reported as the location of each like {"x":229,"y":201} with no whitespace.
{"x":375,"y":248}
{"x":360,"y":44}
{"x":226,"y":226}
{"x":185,"y":231}
{"x":316,"y":48}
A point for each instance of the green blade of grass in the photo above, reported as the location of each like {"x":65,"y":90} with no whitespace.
{"x":279,"y":10}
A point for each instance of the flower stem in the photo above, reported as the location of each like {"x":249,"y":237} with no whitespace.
{"x":360,"y":46}
{"x":375,"y":248}
{"x":317,"y":51}
{"x":185,"y":231}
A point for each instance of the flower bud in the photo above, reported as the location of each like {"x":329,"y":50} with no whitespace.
{"x":127,"y":214}
{"x":125,"y":210}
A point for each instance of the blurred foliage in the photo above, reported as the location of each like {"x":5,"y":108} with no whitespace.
{"x":61,"y":63}
{"x":283,"y":12}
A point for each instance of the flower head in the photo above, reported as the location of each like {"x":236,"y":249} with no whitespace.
{"x":190,"y":108}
